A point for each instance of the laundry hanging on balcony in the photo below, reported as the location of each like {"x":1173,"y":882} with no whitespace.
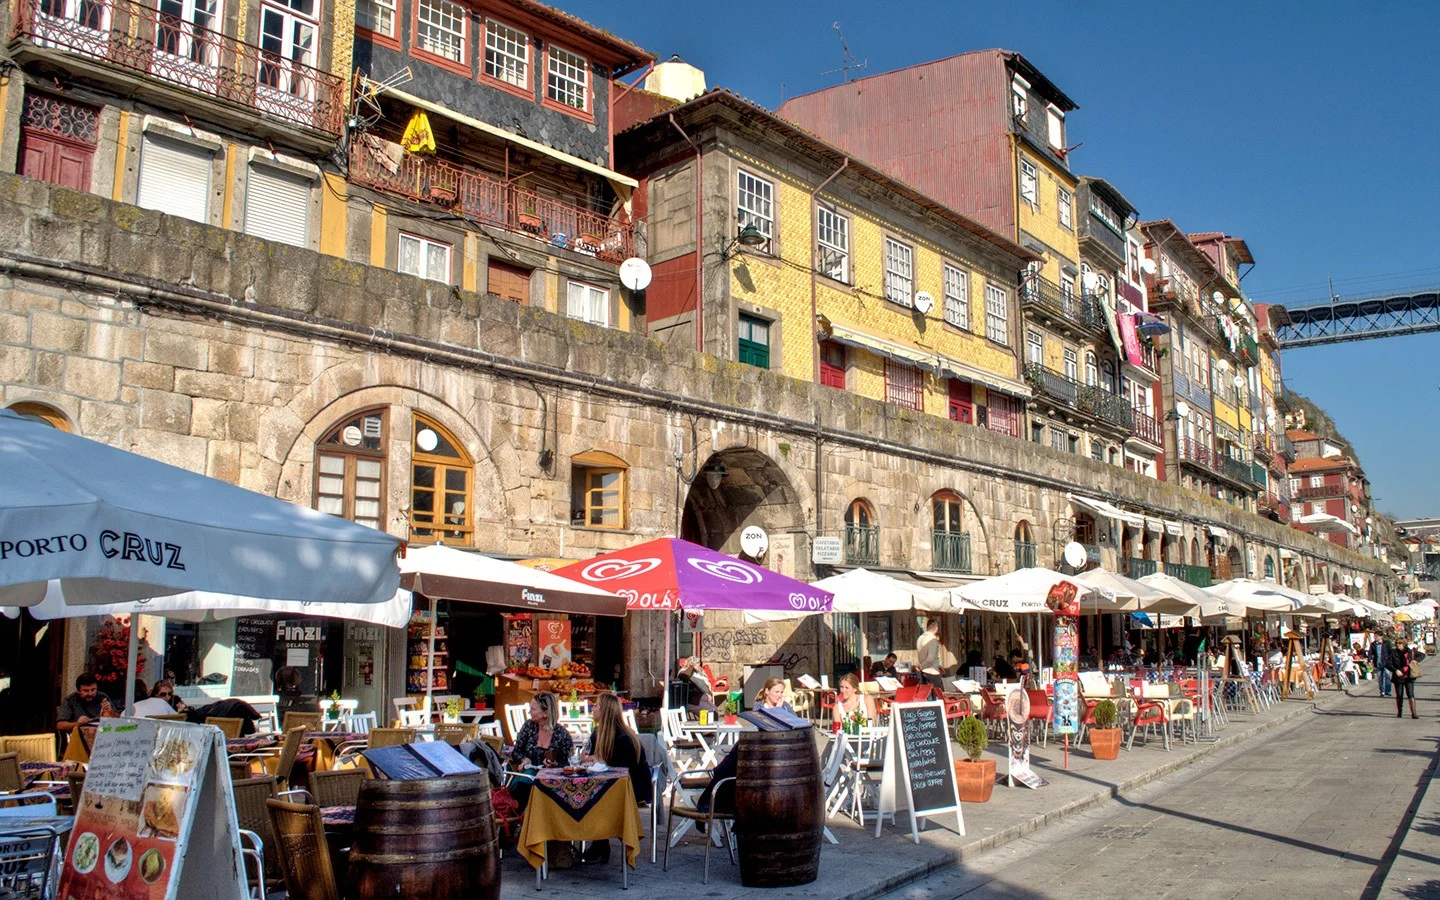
{"x":418,"y":138}
{"x":387,"y":153}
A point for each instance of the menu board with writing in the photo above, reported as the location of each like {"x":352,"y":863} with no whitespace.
{"x":254,"y":648}
{"x":150,"y":788}
{"x":918,"y":758}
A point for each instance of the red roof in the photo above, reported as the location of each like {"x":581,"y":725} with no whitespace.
{"x":1320,"y":462}
{"x":1295,"y":434}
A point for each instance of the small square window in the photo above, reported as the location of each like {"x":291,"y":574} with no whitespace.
{"x":588,"y":303}
{"x":423,"y":257}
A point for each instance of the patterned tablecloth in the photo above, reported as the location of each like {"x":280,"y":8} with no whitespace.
{"x":251,"y":744}
{"x":577,"y":794}
{"x":31,"y":772}
{"x":580,"y":808}
{"x":337,"y":816}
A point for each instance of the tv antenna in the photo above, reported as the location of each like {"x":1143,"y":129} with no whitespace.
{"x":849,"y":61}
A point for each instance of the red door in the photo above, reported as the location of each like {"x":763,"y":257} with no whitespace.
{"x":962,"y":405}
{"x":56,"y":160}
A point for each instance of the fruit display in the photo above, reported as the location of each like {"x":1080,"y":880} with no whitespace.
{"x":565,"y":670}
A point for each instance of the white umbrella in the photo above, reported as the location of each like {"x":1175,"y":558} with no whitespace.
{"x":1375,"y":610}
{"x":1126,"y":594}
{"x":1020,"y":591}
{"x":1417,"y":612}
{"x":1201,"y":603}
{"x":863,"y":591}
{"x":114,"y":526}
{"x":444,"y":573}
{"x":1260,"y":596}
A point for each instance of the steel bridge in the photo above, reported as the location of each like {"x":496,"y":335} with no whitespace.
{"x":1389,"y":315}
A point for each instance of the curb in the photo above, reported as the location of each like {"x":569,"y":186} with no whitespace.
{"x":1023,"y":829}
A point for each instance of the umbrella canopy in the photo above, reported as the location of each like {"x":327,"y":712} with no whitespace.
{"x":114,"y":526}
{"x":1259,"y":596}
{"x":1413,"y":612}
{"x":673,"y":574}
{"x":1198,"y":600}
{"x":199,"y":606}
{"x":1118,"y":593}
{"x":1020,"y":591}
{"x":444,"y":573}
{"x":1374,"y":610}
{"x":864,"y":591}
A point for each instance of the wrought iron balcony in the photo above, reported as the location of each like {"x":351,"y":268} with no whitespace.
{"x":1085,"y":398}
{"x":487,"y":199}
{"x":1263,"y":443}
{"x":1234,"y":469}
{"x":950,"y":551}
{"x":1192,"y":451}
{"x":1147,"y":428}
{"x":1200,"y":576}
{"x":1139,"y":568}
{"x":1275,"y":506}
{"x":1306,"y":492}
{"x":862,"y":545}
{"x":173,"y":50}
{"x":1046,"y":297}
{"x":1285,"y":446}
{"x":1025,"y":555}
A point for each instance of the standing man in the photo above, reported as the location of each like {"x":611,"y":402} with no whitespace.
{"x":1380,"y":656}
{"x":927,"y":650}
{"x":85,"y":705}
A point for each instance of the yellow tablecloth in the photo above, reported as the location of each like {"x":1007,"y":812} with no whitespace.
{"x":615,"y":815}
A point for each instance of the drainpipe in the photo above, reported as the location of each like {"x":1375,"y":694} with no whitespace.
{"x":815,"y":335}
{"x":699,"y":232}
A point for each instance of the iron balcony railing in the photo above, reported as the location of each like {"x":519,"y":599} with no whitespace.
{"x":1234,"y":469}
{"x":1176,"y":570}
{"x":862,"y":545}
{"x":1085,"y":398}
{"x":950,"y":551}
{"x":1277,"y":506}
{"x":1191,"y":450}
{"x":1285,"y":446}
{"x":1139,"y":568}
{"x":1197,"y":575}
{"x":489,"y":200}
{"x":1306,"y":492}
{"x":1025,"y":554}
{"x":1263,"y":442}
{"x":174,"y":50}
{"x":1042,"y":295}
{"x":1258,"y":475}
{"x":1147,"y":428}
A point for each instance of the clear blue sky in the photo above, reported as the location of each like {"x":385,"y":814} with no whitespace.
{"x":1310,"y":129}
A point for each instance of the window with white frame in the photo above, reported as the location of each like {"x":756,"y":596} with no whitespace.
{"x":1072,"y":365}
{"x":1295,"y":512}
{"x":755,"y":204}
{"x":588,"y":303}
{"x":1035,"y":348}
{"x":377,"y":16}
{"x":1063,"y":203}
{"x":1067,"y":288}
{"x":569,"y":82}
{"x":440,"y":28}
{"x":507,"y":54}
{"x":1029,"y":183}
{"x":899,"y":273}
{"x":1092,"y":369}
{"x":1055,"y":127}
{"x":833,"y":244}
{"x":1019,"y":96}
{"x":287,"y":39}
{"x":997,"y":316}
{"x":1317,"y":481}
{"x":181,"y":31}
{"x":423,"y":257}
{"x":957,"y":297}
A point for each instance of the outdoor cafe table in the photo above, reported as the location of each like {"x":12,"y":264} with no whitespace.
{"x":324,"y":744}
{"x":251,"y":743}
{"x":586,"y":807}
{"x":715,"y":738}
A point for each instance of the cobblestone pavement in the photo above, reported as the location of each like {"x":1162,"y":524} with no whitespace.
{"x":1321,"y":807}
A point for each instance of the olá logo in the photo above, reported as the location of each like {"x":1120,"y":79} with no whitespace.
{"x":611,"y":569}
{"x":728,"y":569}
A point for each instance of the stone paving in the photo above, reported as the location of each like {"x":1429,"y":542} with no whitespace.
{"x":863,"y":866}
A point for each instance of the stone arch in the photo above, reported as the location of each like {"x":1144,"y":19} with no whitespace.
{"x":981,"y":557}
{"x":1194,"y":551}
{"x":49,"y":413}
{"x":1023,"y":534}
{"x":1237,"y":562}
{"x":750,"y":488}
{"x":294,"y":475}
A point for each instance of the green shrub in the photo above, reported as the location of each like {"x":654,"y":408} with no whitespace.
{"x":1105,"y":714}
{"x":970,"y":735}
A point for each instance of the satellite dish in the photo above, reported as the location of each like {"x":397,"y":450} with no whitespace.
{"x":924,"y":303}
{"x":1147,"y":266}
{"x":1240,"y":381}
{"x":754,"y":541}
{"x":635,"y":273}
{"x":1358,"y":581}
{"x":1218,"y":298}
{"x":1088,"y":280}
{"x":1075,"y":555}
{"x":1182,"y":409}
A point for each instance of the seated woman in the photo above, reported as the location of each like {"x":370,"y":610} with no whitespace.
{"x":160,"y":702}
{"x":772,"y":696}
{"x":613,"y":743}
{"x":542,"y":741}
{"x":1002,"y":670}
{"x":849,"y":700}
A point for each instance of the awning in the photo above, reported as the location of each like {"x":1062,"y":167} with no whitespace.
{"x":888,"y":349}
{"x":954,"y":368}
{"x":1155,"y":525}
{"x":1325,"y":523}
{"x":615,"y":178}
{"x":1176,"y":529}
{"x":1101,"y":508}
{"x":1217,"y":531}
{"x":1288,"y":554}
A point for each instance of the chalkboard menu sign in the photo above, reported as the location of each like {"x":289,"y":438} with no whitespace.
{"x":918,"y":758}
{"x":254,"y":654}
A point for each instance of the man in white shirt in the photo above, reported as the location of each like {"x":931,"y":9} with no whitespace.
{"x":927,"y":649}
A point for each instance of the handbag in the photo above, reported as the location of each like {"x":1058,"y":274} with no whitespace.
{"x":1414,"y":670}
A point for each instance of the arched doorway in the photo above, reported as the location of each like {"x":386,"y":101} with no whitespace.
{"x":1194,"y":552}
{"x":1234,"y":564}
{"x":862,"y":534}
{"x":736,"y":488}
{"x":1269,"y":567}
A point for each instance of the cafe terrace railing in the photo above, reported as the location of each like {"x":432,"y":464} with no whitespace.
{"x":168,"y":48}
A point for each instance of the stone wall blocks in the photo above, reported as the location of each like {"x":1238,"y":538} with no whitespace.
{"x":341,"y":272}
{"x":210,"y":385}
{"x":169,"y":348}
{"x":50,"y":331}
{"x":97,"y":379}
{"x":54,"y":238}
{"x":222,"y":461}
{"x":104,"y":421}
{"x":208,"y":418}
{"x":17,"y":365}
{"x":164,"y":411}
{"x":183,"y":450}
{"x":135,"y":220}
{"x":147,"y":375}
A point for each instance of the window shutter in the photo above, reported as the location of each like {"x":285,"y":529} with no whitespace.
{"x":175,"y":178}
{"x":277,"y":205}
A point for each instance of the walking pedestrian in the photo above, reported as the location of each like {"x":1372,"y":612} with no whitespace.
{"x":927,"y":651}
{"x":1380,"y":656}
{"x":1402,"y":658}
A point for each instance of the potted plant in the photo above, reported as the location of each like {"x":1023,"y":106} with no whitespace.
{"x":974,"y":777}
{"x":332,"y":712}
{"x":729,"y":709}
{"x":856,"y":721}
{"x":1104,"y":736}
{"x":530,"y":218}
{"x":452,"y":709}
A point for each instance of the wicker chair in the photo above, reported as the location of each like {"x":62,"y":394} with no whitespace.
{"x":250,"y":796}
{"x":31,"y":747}
{"x":11,"y":781}
{"x":338,"y":787}
{"x":308,"y":721}
{"x":303,"y":852}
{"x":455,"y":735}
{"x":230,"y":727}
{"x":391,"y":737}
{"x":277,"y":763}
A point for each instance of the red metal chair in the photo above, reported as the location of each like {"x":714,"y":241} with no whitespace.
{"x":918,"y":693}
{"x":1148,"y":713}
{"x":1040,"y":710}
{"x":957,"y":706}
{"x":994,"y":710}
{"x":827,"y":704}
{"x":1087,"y":719}
{"x":717,"y":685}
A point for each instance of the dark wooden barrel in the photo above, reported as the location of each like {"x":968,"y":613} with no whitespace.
{"x":429,"y":839}
{"x":779,"y":810}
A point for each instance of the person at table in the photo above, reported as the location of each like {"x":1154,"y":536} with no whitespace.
{"x":542,"y":741}
{"x":86,"y":705}
{"x":883,"y":668}
{"x":613,"y":743}
{"x":150,"y":703}
{"x":1020,"y":664}
{"x":772,"y":696}
{"x":1002,"y":670}
{"x":849,"y":700}
{"x":1276,"y":659}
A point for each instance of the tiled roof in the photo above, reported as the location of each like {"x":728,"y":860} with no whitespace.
{"x":1295,"y":434}
{"x":1320,"y":462}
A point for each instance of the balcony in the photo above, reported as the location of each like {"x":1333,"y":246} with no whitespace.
{"x":172,"y":50}
{"x":1147,"y":428}
{"x":1089,"y":399}
{"x":1139,"y":568}
{"x":862,"y":545}
{"x":1197,"y":575}
{"x":1306,"y":492}
{"x":1149,"y":359}
{"x":1192,"y":451}
{"x":1274,"y":507}
{"x":1046,"y":298}
{"x":950,"y":551}
{"x":1285,"y":446}
{"x":1025,"y":555}
{"x":1234,"y":469}
{"x":1259,"y":476}
{"x":487,"y":199}
{"x":1263,"y":443}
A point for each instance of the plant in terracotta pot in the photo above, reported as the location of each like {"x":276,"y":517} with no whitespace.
{"x":729,"y":709}
{"x":1104,"y":736}
{"x":974,"y":777}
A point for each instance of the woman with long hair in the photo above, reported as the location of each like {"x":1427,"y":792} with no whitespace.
{"x":772,"y":696}
{"x":848,"y":700}
{"x":617,"y":746}
{"x":542,"y":741}
{"x":1402,"y":677}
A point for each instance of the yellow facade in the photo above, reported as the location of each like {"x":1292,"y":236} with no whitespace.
{"x":1043,"y":220}
{"x":783,"y":286}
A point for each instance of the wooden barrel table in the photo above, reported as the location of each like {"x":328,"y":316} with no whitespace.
{"x":779,"y":810}
{"x":427,"y":839}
